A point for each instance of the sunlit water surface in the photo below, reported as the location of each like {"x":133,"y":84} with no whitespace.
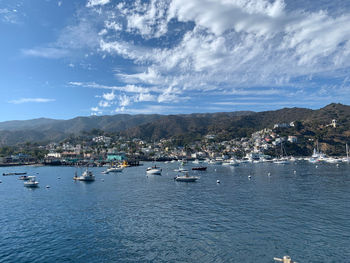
{"x":299,"y":210}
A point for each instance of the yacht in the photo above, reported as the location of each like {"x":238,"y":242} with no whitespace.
{"x":31,"y":182}
{"x":185,"y":178}
{"x":154,"y":170}
{"x":86,"y":176}
{"x":24,"y":177}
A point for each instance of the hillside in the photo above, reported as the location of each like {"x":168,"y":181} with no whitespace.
{"x":225,"y":125}
{"x":46,"y":130}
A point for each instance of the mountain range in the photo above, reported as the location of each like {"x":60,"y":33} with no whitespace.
{"x":156,"y":126}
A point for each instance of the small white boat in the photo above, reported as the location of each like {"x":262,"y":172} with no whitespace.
{"x":31,"y":182}
{"x":215,"y":162}
{"x":281,"y":161}
{"x":231,"y":162}
{"x":185,"y":178}
{"x":154,"y":170}
{"x":181,"y":170}
{"x":115,"y":169}
{"x":86,"y":176}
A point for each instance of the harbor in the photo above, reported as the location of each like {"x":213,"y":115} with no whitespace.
{"x":230,"y":214}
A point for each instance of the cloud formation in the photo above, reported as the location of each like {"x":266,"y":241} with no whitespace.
{"x":31,"y":100}
{"x":180,"y":49}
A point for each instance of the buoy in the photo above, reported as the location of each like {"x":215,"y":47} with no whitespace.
{"x":295,"y":172}
{"x":58,"y":177}
{"x":249,"y":176}
{"x":0,"y":182}
{"x":316,"y":166}
{"x":217,"y":181}
{"x":47,"y":186}
{"x":268,"y":174}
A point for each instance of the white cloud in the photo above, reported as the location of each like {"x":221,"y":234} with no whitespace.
{"x":31,"y":100}
{"x":113,"y":25}
{"x":8,"y":15}
{"x":104,"y":104}
{"x":235,"y":44}
{"x":45,"y":52}
{"x":109,"y":96}
{"x":92,"y":3}
{"x":223,"y":47}
{"x":124,"y":100}
{"x":144,"y":97}
{"x":74,"y":40}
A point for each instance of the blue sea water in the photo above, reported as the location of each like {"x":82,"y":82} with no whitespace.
{"x":129,"y":217}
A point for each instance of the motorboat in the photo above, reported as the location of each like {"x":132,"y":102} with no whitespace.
{"x":185,"y":178}
{"x":154,"y":170}
{"x":333,"y":160}
{"x":215,"y":162}
{"x":31,"y":182}
{"x":181,"y":170}
{"x":201,"y":168}
{"x":115,"y":169}
{"x":281,"y":161}
{"x":23,"y":177}
{"x":231,"y":162}
{"x":86,"y":176}
{"x":6,"y":174}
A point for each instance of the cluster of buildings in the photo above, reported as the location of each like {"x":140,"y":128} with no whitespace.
{"x":102,"y":149}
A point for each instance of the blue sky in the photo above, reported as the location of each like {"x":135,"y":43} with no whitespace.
{"x":66,"y":58}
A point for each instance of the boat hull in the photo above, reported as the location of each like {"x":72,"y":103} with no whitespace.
{"x":27,"y":184}
{"x":186,"y":179}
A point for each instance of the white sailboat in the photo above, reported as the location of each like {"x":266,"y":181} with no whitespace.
{"x":283,"y":159}
{"x":346,"y":159}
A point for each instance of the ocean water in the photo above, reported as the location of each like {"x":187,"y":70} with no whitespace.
{"x":299,"y":210}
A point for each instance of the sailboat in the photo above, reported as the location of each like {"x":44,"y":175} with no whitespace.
{"x":346,"y":160}
{"x":317,"y":156}
{"x":283,"y":159}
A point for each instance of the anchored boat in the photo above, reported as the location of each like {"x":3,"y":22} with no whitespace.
{"x":31,"y":182}
{"x":185,"y":178}
{"x":86,"y":176}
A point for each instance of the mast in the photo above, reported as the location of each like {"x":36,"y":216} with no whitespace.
{"x":347,"y":152}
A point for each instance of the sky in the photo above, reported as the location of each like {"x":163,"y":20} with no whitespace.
{"x":66,"y":58}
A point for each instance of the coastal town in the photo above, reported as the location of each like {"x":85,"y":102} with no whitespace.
{"x":99,"y":149}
